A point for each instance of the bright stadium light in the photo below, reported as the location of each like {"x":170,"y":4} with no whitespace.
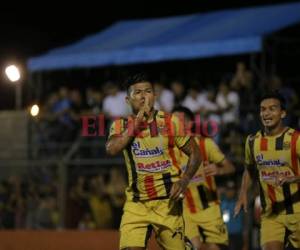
{"x":13,"y":73}
{"x":34,"y":111}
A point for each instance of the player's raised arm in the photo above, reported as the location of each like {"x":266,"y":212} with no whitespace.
{"x":117,"y":142}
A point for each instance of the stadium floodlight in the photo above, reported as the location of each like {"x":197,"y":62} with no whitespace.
{"x":34,"y":111}
{"x":14,"y":75}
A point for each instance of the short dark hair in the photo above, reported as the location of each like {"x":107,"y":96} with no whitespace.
{"x":184,"y":110}
{"x":136,"y":78}
{"x":275,"y":95}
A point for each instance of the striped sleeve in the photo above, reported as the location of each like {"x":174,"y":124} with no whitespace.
{"x":116,"y":128}
{"x":298,"y":147}
{"x":296,"y":154}
{"x":215,"y":155}
{"x":180,"y":137}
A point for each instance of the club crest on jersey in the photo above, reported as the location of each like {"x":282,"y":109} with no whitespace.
{"x":146,"y":152}
{"x":269,"y":163}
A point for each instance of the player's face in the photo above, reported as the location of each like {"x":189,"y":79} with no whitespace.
{"x":271,"y":113}
{"x":138,"y":93}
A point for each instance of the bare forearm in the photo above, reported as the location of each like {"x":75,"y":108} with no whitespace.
{"x":116,"y":144}
{"x":179,"y":188}
{"x":246,"y":182}
{"x":226,"y":167}
{"x":280,"y":180}
{"x":192,"y":166}
{"x":296,"y":179}
{"x":194,"y":159}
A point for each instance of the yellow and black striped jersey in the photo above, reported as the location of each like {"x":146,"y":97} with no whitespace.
{"x":150,"y":158}
{"x":268,"y":157}
{"x":202,"y":190}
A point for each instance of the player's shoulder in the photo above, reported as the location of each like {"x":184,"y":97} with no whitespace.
{"x":162,"y":117}
{"x":206,"y":139}
{"x":253,"y":136}
{"x":211,"y":144}
{"x":120,"y":122}
{"x":166,"y":116}
{"x":292,"y":131}
{"x":162,"y":114}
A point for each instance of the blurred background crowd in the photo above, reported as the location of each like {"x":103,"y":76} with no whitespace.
{"x":74,"y":184}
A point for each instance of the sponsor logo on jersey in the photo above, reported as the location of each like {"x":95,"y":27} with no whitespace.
{"x":272,"y":175}
{"x":269,"y":163}
{"x":153,"y":167}
{"x":146,"y":152}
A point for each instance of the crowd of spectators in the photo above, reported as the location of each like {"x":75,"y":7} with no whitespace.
{"x":96,"y":202}
{"x":93,"y":202}
{"x":231,"y":103}
{"x":28,"y":203}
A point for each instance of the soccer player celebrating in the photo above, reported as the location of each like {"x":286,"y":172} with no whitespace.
{"x":204,"y":224}
{"x":156,"y":185}
{"x":272,"y":159}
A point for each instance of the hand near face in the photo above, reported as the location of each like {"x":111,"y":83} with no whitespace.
{"x":142,"y":115}
{"x":146,"y":107}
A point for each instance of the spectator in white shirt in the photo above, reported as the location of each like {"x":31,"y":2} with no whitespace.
{"x":228,"y":102}
{"x":191,"y":101}
{"x":114,"y":104}
{"x":210,"y":109}
{"x":164,"y":97}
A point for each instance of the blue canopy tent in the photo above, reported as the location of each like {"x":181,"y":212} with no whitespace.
{"x":217,"y":33}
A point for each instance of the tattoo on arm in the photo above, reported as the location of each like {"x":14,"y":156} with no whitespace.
{"x":191,"y":149}
{"x":116,"y":144}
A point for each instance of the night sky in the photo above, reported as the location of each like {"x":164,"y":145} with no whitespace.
{"x":27,"y":33}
